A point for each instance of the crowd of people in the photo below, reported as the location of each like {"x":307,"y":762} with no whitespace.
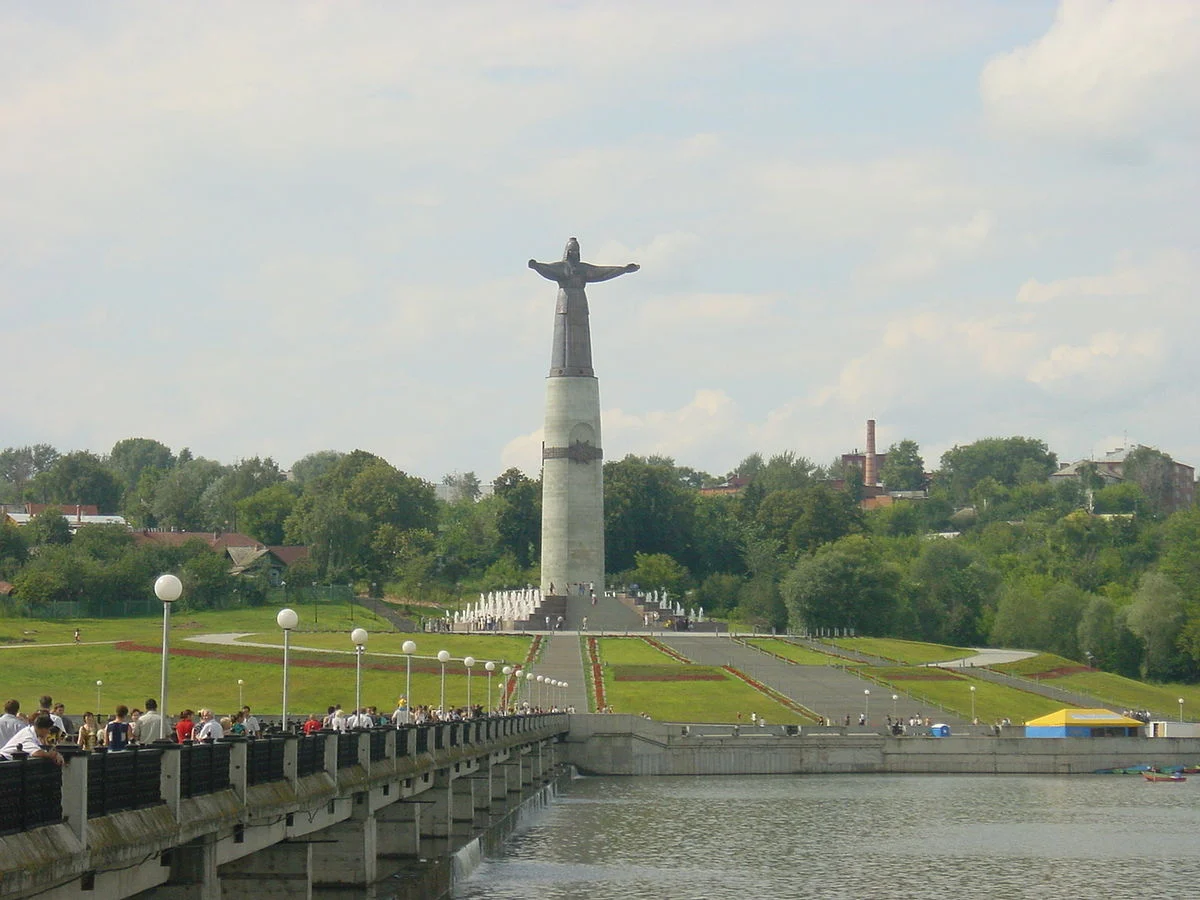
{"x":42,"y":730}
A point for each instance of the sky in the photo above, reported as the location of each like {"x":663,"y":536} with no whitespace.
{"x":268,"y":229}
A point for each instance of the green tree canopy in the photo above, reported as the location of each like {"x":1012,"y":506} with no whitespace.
{"x":1007,"y":461}
{"x":842,"y":585}
{"x":904,"y":470}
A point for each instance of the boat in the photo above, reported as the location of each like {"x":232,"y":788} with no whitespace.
{"x":1164,"y":776}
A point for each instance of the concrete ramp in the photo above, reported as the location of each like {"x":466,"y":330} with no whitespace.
{"x":828,"y":691}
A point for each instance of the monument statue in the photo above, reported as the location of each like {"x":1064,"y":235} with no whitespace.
{"x":571,"y":353}
{"x":572,"y":455}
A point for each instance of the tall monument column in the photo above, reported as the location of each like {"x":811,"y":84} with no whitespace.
{"x":572,"y":458}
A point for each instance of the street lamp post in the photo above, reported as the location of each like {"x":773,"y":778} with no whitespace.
{"x":506,"y":672}
{"x":287,"y":619}
{"x":895,"y":697}
{"x":468,"y":661}
{"x":866,"y":706}
{"x":529,"y":688}
{"x":1181,"y":710}
{"x":99,"y":684}
{"x":489,"y":667}
{"x":541,"y":691}
{"x":359,"y":637}
{"x":167,"y":588}
{"x":972,"y":704}
{"x":409,"y":648}
{"x":241,"y":702}
{"x":443,"y":658}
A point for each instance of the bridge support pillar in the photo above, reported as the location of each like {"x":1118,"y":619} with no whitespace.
{"x":193,"y":873}
{"x":282,"y":871}
{"x":398,"y":829}
{"x":502,"y":773}
{"x":345,"y":852}
{"x":462,"y":807}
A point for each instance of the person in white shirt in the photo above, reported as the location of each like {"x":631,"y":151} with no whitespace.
{"x":253,"y":727}
{"x":209,"y":729}
{"x":150,"y":725}
{"x":11,"y":722}
{"x":400,"y":716}
{"x":33,"y":739}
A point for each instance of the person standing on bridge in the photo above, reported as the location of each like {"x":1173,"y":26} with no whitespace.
{"x":34,"y":740}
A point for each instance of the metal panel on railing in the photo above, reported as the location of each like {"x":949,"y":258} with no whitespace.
{"x":379,"y":744}
{"x":30,"y":795}
{"x":264,"y":760}
{"x":123,"y":779}
{"x":310,"y":755}
{"x":347,"y":749}
{"x":203,"y":769}
{"x":423,"y":739}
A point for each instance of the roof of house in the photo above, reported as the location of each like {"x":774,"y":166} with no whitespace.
{"x":218,"y":540}
{"x":1094,"y":718}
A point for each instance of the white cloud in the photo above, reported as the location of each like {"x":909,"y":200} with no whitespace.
{"x":1170,"y":270}
{"x":1113,"y":73}
{"x":924,"y":249}
{"x":1108,"y":359}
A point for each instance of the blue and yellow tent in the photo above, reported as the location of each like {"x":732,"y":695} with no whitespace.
{"x":1082,"y":723}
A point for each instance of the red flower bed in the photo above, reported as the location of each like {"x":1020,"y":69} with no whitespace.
{"x":597,"y":672}
{"x":1060,"y":672}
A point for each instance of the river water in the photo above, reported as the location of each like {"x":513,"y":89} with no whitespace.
{"x":844,"y":836}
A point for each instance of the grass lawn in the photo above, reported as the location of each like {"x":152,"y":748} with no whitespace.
{"x":912,"y":653}
{"x":1115,"y":690}
{"x":696,"y":701}
{"x":952,"y":692}
{"x":632,"y":651}
{"x":796,"y":653}
{"x":69,"y":673}
{"x":680,"y":701}
{"x":484,"y":647}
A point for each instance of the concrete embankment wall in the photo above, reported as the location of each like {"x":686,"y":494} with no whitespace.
{"x":630,"y":745}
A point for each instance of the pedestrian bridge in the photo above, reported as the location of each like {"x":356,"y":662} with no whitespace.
{"x":270,"y":817}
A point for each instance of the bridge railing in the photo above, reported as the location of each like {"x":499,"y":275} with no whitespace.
{"x":30,"y":795}
{"x":32,"y":791}
{"x":264,"y":760}
{"x":204,"y":769}
{"x":123,"y":779}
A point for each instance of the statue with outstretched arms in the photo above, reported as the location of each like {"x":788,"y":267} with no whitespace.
{"x":572,"y":350}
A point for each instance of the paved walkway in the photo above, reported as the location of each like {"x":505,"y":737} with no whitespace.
{"x":562,"y":659}
{"x":985,"y":657}
{"x":827,"y":690}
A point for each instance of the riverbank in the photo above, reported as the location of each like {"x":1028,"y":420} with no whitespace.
{"x":631,"y":745}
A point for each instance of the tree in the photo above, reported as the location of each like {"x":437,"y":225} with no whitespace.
{"x":718,"y":593}
{"x":262,"y":515}
{"x":955,"y":593}
{"x":465,"y":487}
{"x":313,"y":466}
{"x":645,"y":510}
{"x":1154,"y":472}
{"x":19,"y":465}
{"x":81,"y":478}
{"x":1157,"y":616}
{"x":655,"y":571}
{"x":842,"y":585}
{"x":218,"y":503}
{"x":48,"y":528}
{"x":904,"y":470}
{"x":1008,"y":461}
{"x":177,"y":495}
{"x":130,"y":457}
{"x":14,"y":552}
{"x":519,"y":516}
{"x":802,"y":520}
{"x":786,"y":471}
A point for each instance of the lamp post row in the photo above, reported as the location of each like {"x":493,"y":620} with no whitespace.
{"x":168,"y":588}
